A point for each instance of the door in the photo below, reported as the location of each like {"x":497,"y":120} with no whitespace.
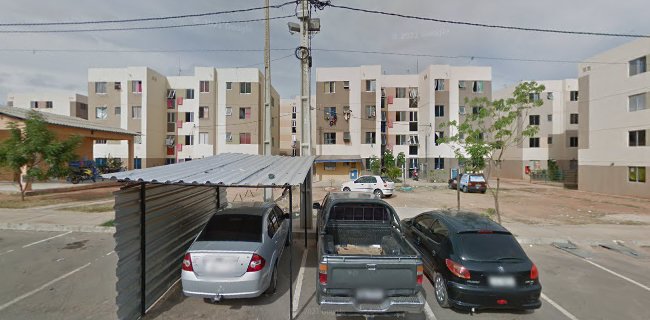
{"x":439,"y":244}
{"x":422,"y":234}
{"x":359,"y":185}
{"x":371,"y":184}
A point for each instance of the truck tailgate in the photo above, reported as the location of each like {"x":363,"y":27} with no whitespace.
{"x":347,"y":274}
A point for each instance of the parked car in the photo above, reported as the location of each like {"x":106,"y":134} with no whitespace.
{"x":365,"y":264}
{"x":473,"y":183}
{"x":473,"y":262}
{"x":236,"y":254}
{"x":380,"y":186}
{"x":452,"y":183}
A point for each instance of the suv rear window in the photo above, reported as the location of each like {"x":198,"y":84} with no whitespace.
{"x":476,"y":179}
{"x":490,"y":247}
{"x":233,"y":227}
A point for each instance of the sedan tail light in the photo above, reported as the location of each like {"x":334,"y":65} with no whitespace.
{"x":534,"y":274}
{"x":322,"y":274}
{"x":257,"y":263}
{"x":187,"y":262}
{"x":457,"y":269}
{"x":420,"y":274}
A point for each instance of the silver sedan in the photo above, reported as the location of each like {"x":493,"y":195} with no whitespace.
{"x":237,"y":253}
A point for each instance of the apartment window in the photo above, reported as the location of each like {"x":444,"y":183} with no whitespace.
{"x":346,"y":137}
{"x":549,"y":140}
{"x":413,"y":150}
{"x":461,"y":109}
{"x":440,"y":111}
{"x":400,"y":116}
{"x":533,"y":142}
{"x":244,"y":113}
{"x":370,"y":85}
{"x":189,"y":93}
{"x":549,"y":96}
{"x":101,"y":113}
{"x":136,"y":86}
{"x":228,"y":111}
{"x":204,"y":112}
{"x":171,"y":117}
{"x":100,"y":87}
{"x":329,"y":138}
{"x":48,"y":104}
{"x":573,"y":118}
{"x":204,"y":86}
{"x":573,"y":142}
{"x":414,"y":140}
{"x":637,"y":102}
{"x":228,"y":85}
{"x":189,"y":140}
{"x":228,"y":136}
{"x":245,"y":138}
{"x":330,"y":113}
{"x":533,"y":96}
{"x":413,"y":116}
{"x":118,"y":111}
{"x":136,"y":112}
{"x":636,"y":174}
{"x":293,"y":123}
{"x":400,"y":92}
{"x":189,"y":116}
{"x":33,"y":104}
{"x":329,"y":87}
{"x":371,"y":111}
{"x":329,"y":166}
{"x":533,"y":120}
{"x":476,"y":110}
{"x":477,"y":87}
{"x":400,"y":139}
{"x":117,"y":85}
{"x":383,"y":115}
{"x":293,"y":129}
{"x":461,"y":84}
{"x":413,"y":163}
{"x":573,"y":96}
{"x":438,"y":163}
{"x":293,"y":115}
{"x":170,"y":161}
{"x":549,"y":117}
{"x":203,"y":138}
{"x":438,"y":136}
{"x":245,"y":87}
{"x":439,"y":84}
{"x":100,"y":141}
{"x":638,"y":66}
{"x":346,"y":85}
{"x":138,"y":139}
{"x":370,"y":137}
{"x":637,"y":138}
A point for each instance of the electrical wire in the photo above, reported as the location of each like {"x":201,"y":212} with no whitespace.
{"x":259,"y":63}
{"x":484,"y":25}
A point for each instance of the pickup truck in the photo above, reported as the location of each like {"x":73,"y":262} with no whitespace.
{"x":365,"y":264}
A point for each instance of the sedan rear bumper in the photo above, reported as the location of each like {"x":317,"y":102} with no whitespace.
{"x":466,"y":297}
{"x":411,"y":304}
{"x":249,"y":285}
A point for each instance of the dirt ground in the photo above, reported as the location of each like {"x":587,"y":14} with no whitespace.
{"x":13,"y":201}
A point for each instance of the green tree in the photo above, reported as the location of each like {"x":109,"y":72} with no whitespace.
{"x":33,"y":148}
{"x":375,"y":165}
{"x":484,"y":137}
{"x":393,"y":165}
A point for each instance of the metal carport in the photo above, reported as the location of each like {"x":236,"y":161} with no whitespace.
{"x":159,"y":211}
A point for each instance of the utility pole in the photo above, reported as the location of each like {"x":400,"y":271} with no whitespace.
{"x":306,"y":27}
{"x":268,"y":192}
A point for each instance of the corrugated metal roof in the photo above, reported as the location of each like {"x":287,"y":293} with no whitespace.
{"x":61,"y":120}
{"x":227,"y":169}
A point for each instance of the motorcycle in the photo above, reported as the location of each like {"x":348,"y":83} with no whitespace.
{"x":80,"y":174}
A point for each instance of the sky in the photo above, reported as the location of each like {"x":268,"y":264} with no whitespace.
{"x":34,"y":70}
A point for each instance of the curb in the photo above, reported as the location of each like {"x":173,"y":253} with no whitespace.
{"x":55,"y":227}
{"x":540,"y":241}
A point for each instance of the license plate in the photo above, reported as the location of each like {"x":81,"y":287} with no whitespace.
{"x":501,"y":282}
{"x":220,"y":264}
{"x":370,"y":294}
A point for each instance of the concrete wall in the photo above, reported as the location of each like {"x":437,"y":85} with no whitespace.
{"x":63,"y":103}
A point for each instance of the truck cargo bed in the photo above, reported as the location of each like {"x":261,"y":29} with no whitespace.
{"x":365,"y":239}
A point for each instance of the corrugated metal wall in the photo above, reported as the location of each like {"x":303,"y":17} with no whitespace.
{"x":173,"y":217}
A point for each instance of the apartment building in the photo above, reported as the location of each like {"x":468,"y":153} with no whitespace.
{"x":61,"y":103}
{"x":557,"y":138}
{"x":614,"y":150}
{"x":351,"y":129}
{"x":290,"y":117}
{"x":181,"y":118}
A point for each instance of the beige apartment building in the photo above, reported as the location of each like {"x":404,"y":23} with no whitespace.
{"x":290,"y":117}
{"x":62,"y":103}
{"x":180,"y":118}
{"x":362,"y":112}
{"x":557,"y":138}
{"x":614,"y":150}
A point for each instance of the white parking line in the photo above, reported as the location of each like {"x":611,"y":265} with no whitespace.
{"x":301,"y":275}
{"x":26,"y":295}
{"x":559,"y":307}
{"x":428,"y":312}
{"x":619,"y":275}
{"x":8,"y":251}
{"x":50,"y":238}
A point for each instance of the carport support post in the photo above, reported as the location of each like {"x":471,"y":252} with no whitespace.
{"x":290,"y":253}
{"x":143,"y":255}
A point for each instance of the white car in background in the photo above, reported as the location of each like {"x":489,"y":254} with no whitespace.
{"x":380,"y":186}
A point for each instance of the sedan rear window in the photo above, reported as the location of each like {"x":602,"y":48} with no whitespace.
{"x":233,"y":227}
{"x":490,"y":247}
{"x":476,"y":179}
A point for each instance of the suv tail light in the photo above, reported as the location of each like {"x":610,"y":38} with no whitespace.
{"x":187,"y":262}
{"x":420,"y":274}
{"x":322,"y":274}
{"x":457,"y":269}
{"x":256,"y":264}
{"x":534,"y":274}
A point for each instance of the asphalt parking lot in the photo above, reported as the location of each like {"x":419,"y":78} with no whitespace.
{"x":70,"y":275}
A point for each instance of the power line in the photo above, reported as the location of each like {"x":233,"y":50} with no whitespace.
{"x":143,"y":28}
{"x":485,"y":25}
{"x":136,"y":51}
{"x":193,"y":15}
{"x":256,"y":64}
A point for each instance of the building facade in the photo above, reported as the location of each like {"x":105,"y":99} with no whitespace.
{"x":614,"y":150}
{"x":290,"y":117}
{"x":181,"y":118}
{"x":61,"y":103}
{"x":557,"y":137}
